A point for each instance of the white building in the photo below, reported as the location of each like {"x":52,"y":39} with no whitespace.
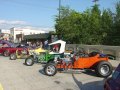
{"x":23,"y":31}
{"x":5,"y":31}
{"x":4,"y":34}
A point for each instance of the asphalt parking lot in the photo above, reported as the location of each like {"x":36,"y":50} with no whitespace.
{"x":14,"y":75}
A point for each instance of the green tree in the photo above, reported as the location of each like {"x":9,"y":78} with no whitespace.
{"x":84,"y":28}
{"x":115,"y":35}
{"x":64,"y":13}
{"x":67,"y":25}
{"x":95,"y":26}
{"x":89,"y":27}
{"x":106,"y":26}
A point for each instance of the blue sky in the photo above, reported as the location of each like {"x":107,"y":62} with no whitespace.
{"x":41,"y":13}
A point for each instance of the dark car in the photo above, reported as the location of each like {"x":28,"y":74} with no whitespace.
{"x":113,"y":83}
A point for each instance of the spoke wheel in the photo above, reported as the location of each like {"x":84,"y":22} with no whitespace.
{"x":50,"y":69}
{"x":29,"y":61}
{"x":104,"y":69}
{"x":13,"y":56}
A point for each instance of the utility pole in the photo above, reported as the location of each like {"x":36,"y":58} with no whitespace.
{"x":95,"y":1}
{"x":59,"y":8}
{"x":61,"y":32}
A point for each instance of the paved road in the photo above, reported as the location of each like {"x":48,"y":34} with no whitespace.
{"x":14,"y":75}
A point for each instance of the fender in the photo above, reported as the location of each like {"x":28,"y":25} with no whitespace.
{"x":94,"y":66}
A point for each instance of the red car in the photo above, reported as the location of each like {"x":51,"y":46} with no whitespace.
{"x":113,"y":83}
{"x":9,"y":47}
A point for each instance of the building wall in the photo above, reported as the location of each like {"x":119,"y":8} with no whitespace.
{"x":15,"y":31}
{"x":4,"y":36}
{"x":5,"y":31}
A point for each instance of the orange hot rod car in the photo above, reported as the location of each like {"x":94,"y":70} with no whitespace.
{"x":72,"y":61}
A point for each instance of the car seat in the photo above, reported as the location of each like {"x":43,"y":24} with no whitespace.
{"x":92,"y":54}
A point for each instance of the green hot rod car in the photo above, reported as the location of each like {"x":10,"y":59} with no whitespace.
{"x":46,"y":56}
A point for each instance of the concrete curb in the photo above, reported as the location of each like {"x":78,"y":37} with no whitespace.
{"x":114,"y":63}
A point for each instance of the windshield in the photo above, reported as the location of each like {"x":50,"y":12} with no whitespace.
{"x":55,"y":47}
{"x":116,"y":74}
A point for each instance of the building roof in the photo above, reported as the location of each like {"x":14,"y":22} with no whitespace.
{"x":37,"y":36}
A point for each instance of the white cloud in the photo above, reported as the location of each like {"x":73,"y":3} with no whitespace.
{"x":7,"y":24}
{"x":46,"y":29}
{"x":15,"y":22}
{"x":18,"y":22}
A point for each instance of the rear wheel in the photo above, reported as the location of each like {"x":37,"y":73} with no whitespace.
{"x":50,"y":69}
{"x":103,"y":69}
{"x":13,"y":56}
{"x":29,"y":61}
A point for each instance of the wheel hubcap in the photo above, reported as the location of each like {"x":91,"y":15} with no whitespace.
{"x":29,"y":61}
{"x":105,"y":69}
{"x":50,"y":69}
{"x":12,"y":56}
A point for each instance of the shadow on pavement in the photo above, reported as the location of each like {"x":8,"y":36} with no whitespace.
{"x":96,"y":85}
{"x":91,"y":73}
{"x":24,"y":64}
{"x":1,"y":54}
{"x":41,"y":71}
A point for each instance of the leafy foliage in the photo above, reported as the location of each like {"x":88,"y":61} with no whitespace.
{"x":89,"y":27}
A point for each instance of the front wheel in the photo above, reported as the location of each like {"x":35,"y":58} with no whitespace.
{"x":13,"y":56}
{"x":29,"y":61}
{"x":104,"y":69}
{"x":50,"y":69}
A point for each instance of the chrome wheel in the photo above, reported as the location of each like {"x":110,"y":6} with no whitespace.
{"x":50,"y":70}
{"x":105,"y":69}
{"x":29,"y":61}
{"x":13,"y":56}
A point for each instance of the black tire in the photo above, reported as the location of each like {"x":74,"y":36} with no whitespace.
{"x":29,"y":61}
{"x":13,"y":56}
{"x":103,"y":69}
{"x":50,"y":69}
{"x":6,"y":53}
